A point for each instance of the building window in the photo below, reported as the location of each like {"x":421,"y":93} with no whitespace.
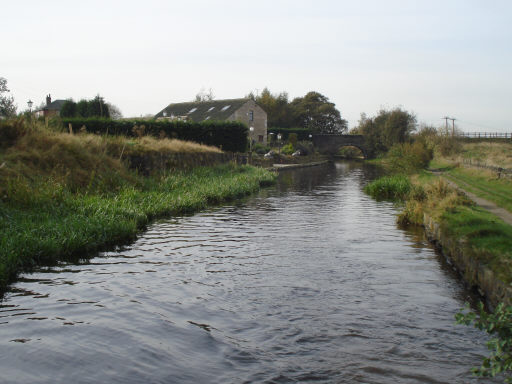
{"x":251,"y":115}
{"x":260,"y":138}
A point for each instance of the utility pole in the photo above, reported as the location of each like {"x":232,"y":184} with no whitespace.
{"x":446,"y":120}
{"x":453,"y":126}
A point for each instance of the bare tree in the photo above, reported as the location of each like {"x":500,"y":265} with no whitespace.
{"x":202,"y":95}
{"x":115,"y":112}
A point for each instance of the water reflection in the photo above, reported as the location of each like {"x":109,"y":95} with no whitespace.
{"x":308,"y":281}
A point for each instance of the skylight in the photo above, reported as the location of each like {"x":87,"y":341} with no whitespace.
{"x":207,"y":117}
{"x":211,"y":109}
{"x":224,"y":108}
{"x":192,"y":110}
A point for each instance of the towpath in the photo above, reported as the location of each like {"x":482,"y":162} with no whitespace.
{"x":502,"y":213}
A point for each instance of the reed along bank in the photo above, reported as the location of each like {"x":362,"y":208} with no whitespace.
{"x":64,"y":196}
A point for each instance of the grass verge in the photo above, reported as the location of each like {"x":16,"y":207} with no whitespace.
{"x":63,"y":196}
{"x":57,"y":224}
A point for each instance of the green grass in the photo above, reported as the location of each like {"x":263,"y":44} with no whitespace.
{"x":395,"y":187}
{"x":56,"y":224}
{"x":488,"y":237}
{"x":484,"y":184}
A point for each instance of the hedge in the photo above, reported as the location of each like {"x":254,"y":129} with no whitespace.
{"x":230,"y":136}
{"x":302,"y":133}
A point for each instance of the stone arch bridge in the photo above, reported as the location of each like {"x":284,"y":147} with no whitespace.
{"x":331,"y":144}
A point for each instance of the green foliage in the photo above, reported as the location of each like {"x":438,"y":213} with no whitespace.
{"x":10,"y":131}
{"x":229,"y":135}
{"x":499,"y":325}
{"x":386,"y":129}
{"x":305,"y":147}
{"x":292,"y":139}
{"x":7,"y":106}
{"x":408,"y":158}
{"x":313,"y":112}
{"x":394,"y":188}
{"x":260,"y":149}
{"x":287,"y":149}
{"x":68,"y":109}
{"x":279,"y":112}
{"x":48,"y":222}
{"x":302,"y":133}
{"x":85,"y":108}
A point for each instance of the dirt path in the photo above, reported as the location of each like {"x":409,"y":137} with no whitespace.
{"x":502,"y":213}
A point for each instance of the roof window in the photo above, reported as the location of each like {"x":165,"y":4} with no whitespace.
{"x":224,"y":108}
{"x":211,"y":109}
{"x":192,"y":110}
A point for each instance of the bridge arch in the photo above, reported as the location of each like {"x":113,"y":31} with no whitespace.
{"x":330,"y":144}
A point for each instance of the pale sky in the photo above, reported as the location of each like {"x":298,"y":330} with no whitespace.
{"x":433,"y":58}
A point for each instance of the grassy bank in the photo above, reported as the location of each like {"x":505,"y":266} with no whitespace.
{"x":464,"y":167}
{"x":64,"y":196}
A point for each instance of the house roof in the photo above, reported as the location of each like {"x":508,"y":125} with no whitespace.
{"x":203,"y":110}
{"x":55,"y":105}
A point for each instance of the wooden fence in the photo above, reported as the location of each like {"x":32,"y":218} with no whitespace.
{"x":486,"y":135}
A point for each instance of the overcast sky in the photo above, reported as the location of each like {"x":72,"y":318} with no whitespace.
{"x":433,"y":58}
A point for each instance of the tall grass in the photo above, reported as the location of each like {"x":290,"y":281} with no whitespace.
{"x":395,"y":187}
{"x":64,"y":196}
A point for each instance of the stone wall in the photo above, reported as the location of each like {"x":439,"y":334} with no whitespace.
{"x":259,"y":135}
{"x":466,"y":260}
{"x":150,"y":163}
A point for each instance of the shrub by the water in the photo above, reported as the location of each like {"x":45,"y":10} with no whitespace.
{"x":394,"y":187}
{"x":408,"y":158}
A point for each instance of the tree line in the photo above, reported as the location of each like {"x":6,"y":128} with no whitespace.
{"x":313,"y":111}
{"x":96,"y":107}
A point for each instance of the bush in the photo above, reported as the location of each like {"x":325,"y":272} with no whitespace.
{"x":408,"y":158}
{"x":394,"y":188}
{"x":287,"y":149}
{"x":229,"y":135}
{"x":306,"y":147}
{"x":499,"y":325}
{"x":10,"y":131}
{"x":260,"y":149}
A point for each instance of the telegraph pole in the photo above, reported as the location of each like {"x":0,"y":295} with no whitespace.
{"x":446,"y":120}
{"x":453,"y":125}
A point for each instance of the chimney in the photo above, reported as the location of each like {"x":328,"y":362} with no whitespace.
{"x":48,"y":100}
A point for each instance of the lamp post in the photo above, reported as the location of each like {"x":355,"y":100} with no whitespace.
{"x":279,"y":142}
{"x":30,"y":103}
{"x":251,"y":130}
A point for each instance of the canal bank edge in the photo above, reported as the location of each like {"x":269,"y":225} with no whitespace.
{"x":464,"y":259}
{"x":285,"y":167}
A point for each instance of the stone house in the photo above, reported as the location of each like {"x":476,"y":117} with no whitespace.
{"x":243,"y":110}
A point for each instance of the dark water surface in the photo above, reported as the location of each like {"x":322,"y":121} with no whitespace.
{"x":309,"y":281}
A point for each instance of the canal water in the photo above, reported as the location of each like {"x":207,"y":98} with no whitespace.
{"x":308,"y":281}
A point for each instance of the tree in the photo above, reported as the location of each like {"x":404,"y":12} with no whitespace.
{"x":68,"y":109}
{"x":315,"y":112}
{"x":7,"y":106}
{"x":114,"y":111}
{"x":82,"y":109}
{"x":386,"y":129}
{"x":97,"y":108}
{"x":279,"y":112}
{"x":202,"y":95}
